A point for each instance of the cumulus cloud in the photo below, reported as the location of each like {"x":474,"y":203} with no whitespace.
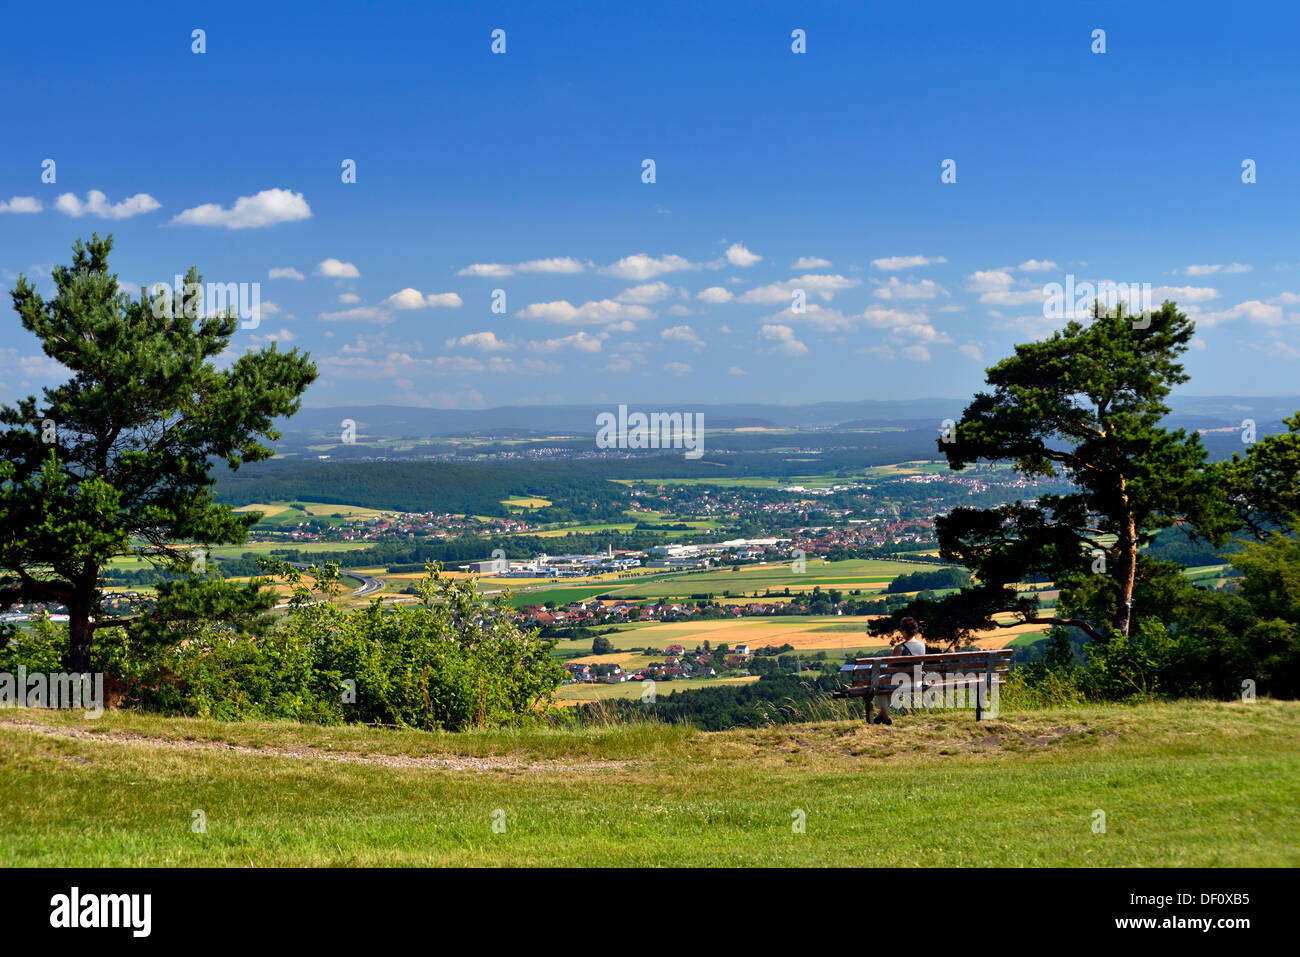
{"x":916,"y":353}
{"x":97,"y":204}
{"x":482,"y":341}
{"x":589,"y":313}
{"x":334,"y":269}
{"x":896,"y":289}
{"x":643,"y":266}
{"x":367,"y":313}
{"x":677,"y":368}
{"x":714,"y":294}
{"x":349,"y":297}
{"x":490,"y":270}
{"x":646,"y":293}
{"x":580,"y":341}
{"x":1253,"y":311}
{"x":682,"y":334}
{"x":284,"y":272}
{"x":811,"y":262}
{"x":996,"y":287}
{"x":903,"y":325}
{"x":563,"y":265}
{"x":812,"y":284}
{"x":409,"y":298}
{"x":971,"y":351}
{"x":892,"y":263}
{"x":266,"y":208}
{"x":783,"y":336}
{"x":1210,"y":270}
{"x":1037,"y":265}
{"x":23,"y":204}
{"x":1183,"y":294}
{"x":738,"y":255}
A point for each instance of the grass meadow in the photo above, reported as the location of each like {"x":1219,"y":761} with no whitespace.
{"x":1179,"y":784}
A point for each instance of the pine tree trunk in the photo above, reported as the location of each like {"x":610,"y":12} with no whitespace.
{"x":79,"y":640}
{"x":1127,"y":578}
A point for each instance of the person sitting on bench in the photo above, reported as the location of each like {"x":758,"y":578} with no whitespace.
{"x":910,"y":645}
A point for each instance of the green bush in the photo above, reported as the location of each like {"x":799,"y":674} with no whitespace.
{"x":453,"y":661}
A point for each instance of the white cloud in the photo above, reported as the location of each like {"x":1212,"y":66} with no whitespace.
{"x":677,"y":368}
{"x":266,"y":208}
{"x":904,"y":325}
{"x":589,"y":313}
{"x":891,"y":263}
{"x":896,"y":289}
{"x":581,"y":341}
{"x":917,"y":353}
{"x":646,"y":293}
{"x":409,"y":298}
{"x":1254,"y":311}
{"x":971,"y":351}
{"x":811,"y":262}
{"x":786,"y":342}
{"x":1210,"y":270}
{"x":643,"y":266}
{"x":334,"y":269}
{"x":812,"y":284}
{"x":23,"y":204}
{"x":738,"y":255}
{"x":369,"y":313}
{"x":735,"y":370}
{"x":714,"y":294}
{"x":482,"y":341}
{"x":682,"y":334}
{"x":1182,"y":294}
{"x":284,"y":335}
{"x":284,"y":272}
{"x":996,"y":288}
{"x":491,"y":270}
{"x":879,"y":352}
{"x":349,"y":297}
{"x":1037,"y":265}
{"x":97,"y":204}
{"x":991,"y":280}
{"x":563,"y":265}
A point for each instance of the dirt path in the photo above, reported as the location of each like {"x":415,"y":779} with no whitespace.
{"x":303,"y":752}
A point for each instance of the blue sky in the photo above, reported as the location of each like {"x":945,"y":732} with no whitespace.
{"x":775,"y":171}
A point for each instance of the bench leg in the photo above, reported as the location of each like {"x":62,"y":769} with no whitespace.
{"x":867,"y":702}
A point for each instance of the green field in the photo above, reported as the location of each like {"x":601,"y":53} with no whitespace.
{"x":846,"y":575}
{"x":1181,"y":784}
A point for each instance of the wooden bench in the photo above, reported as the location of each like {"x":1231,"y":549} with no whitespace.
{"x":970,"y":670}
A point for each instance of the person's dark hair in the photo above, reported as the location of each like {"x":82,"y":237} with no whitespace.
{"x":908,"y":626}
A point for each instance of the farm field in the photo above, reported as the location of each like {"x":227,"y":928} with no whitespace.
{"x":833,"y":633}
{"x":1189,"y":783}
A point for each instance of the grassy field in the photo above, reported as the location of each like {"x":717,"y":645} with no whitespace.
{"x":1182,"y":784}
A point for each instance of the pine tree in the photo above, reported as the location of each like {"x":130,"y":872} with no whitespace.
{"x":118,"y":460}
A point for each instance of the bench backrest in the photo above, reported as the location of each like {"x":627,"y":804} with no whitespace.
{"x":884,"y":667}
